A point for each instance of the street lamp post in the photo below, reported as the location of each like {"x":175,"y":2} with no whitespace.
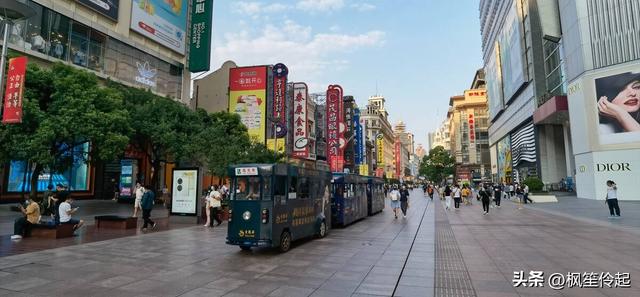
{"x":10,"y":11}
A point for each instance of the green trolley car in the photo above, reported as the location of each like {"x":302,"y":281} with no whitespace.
{"x":272,"y":205}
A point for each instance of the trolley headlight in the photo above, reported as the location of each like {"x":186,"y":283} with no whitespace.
{"x":246,"y":215}
{"x":230,"y":214}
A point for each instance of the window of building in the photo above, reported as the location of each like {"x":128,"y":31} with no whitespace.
{"x":96,"y":50}
{"x":79,"y":46}
{"x":59,"y":35}
{"x":37,"y":30}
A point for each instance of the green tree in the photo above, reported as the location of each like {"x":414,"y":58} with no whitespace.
{"x":164,"y":129}
{"x":438,"y":164}
{"x":225,"y":141}
{"x":63,"y":109}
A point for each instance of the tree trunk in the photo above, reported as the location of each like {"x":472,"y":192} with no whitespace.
{"x":34,"y":181}
{"x":155,"y":177}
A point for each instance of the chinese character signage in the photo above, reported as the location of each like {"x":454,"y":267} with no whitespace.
{"x":247,"y":98}
{"x":200,"y":38}
{"x":357,"y":140}
{"x":279,"y":104}
{"x":398,"y":153}
{"x":472,"y":132}
{"x":163,"y":21}
{"x":108,"y":8}
{"x":14,"y":90}
{"x":380,"y":150}
{"x":335,"y":128}
{"x":300,"y":131}
{"x":184,"y":193}
{"x":247,"y":171}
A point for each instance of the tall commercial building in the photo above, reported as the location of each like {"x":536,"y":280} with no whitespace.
{"x":468,"y":133}
{"x":406,"y":150}
{"x":523,"y":70}
{"x":441,"y":136}
{"x":600,"y":46}
{"x":376,"y":119}
{"x":109,"y":42}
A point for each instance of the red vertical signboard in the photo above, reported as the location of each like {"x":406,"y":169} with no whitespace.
{"x":398,"y":153}
{"x":335,"y":128}
{"x":472,"y":131}
{"x":14,"y":90}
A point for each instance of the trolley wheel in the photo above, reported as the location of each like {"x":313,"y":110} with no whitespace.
{"x":285,"y":241}
{"x":245,"y":248}
{"x":322,"y":229}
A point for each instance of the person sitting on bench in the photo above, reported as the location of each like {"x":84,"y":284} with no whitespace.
{"x":65,"y":211}
{"x":31,"y":217}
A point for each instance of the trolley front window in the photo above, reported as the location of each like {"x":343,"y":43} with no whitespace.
{"x":247,"y":188}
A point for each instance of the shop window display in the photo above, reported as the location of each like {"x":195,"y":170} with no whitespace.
{"x":79,"y":44}
{"x":59,"y":35}
{"x":76,"y":177}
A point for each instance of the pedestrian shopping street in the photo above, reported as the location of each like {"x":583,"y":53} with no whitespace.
{"x":430,"y":253}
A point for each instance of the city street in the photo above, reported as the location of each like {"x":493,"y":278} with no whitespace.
{"x":430,"y":253}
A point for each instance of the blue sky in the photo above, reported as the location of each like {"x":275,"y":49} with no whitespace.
{"x":418,"y":52}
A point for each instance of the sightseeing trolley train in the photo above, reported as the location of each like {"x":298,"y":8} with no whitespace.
{"x":272,"y":205}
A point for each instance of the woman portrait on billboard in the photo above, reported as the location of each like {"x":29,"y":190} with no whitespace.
{"x":619,"y":103}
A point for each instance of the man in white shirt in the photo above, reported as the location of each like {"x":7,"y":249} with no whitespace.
{"x":138,"y":199}
{"x":457,"y":196}
{"x":394,"y":195}
{"x":66,"y":211}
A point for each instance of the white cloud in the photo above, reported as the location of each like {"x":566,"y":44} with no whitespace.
{"x":309,"y":56}
{"x":254,"y":8}
{"x":320,"y":5}
{"x":363,"y":6}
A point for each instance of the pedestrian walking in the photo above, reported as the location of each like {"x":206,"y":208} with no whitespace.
{"x":466,"y":195}
{"x":430,"y":192}
{"x":525,"y":193}
{"x":485,"y":196}
{"x":404,"y":200}
{"x":497,"y":194}
{"x":457,"y":196}
{"x":139,"y":192}
{"x":214,"y":203}
{"x":447,"y":196}
{"x":394,"y":195}
{"x":519,"y":192}
{"x":146,"y":203}
{"x":612,"y":200}
{"x":512,"y":191}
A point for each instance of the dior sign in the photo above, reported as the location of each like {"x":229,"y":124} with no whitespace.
{"x":613,"y":167}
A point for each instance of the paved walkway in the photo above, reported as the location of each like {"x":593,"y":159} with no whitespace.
{"x":376,"y":256}
{"x":493,"y":247}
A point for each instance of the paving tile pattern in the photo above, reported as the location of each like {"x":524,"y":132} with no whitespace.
{"x":452,"y":276}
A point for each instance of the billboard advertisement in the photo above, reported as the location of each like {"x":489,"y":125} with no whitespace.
{"x":14,"y":91}
{"x":184,"y":191}
{"x":335,"y":128}
{"x":493,"y":73}
{"x":523,"y":143}
{"x":504,"y":160}
{"x":247,"y":98}
{"x":200,"y":39}
{"x":163,"y":21}
{"x":300,"y":131}
{"x":511,"y":53}
{"x":617,"y":99}
{"x":108,"y":8}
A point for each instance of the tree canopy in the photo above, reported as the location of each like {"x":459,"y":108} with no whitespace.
{"x":64,"y":108}
{"x":437,"y":165}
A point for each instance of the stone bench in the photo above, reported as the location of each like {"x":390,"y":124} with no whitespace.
{"x":51,"y":231}
{"x":116,"y":222}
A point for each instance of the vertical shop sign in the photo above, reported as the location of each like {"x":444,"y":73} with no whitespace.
{"x":247,"y":98}
{"x":357,"y":140}
{"x":472,"y":131}
{"x":300,"y":130}
{"x":398,"y":153}
{"x":280,"y":72}
{"x":200,"y":41}
{"x":335,"y":128}
{"x":380,"y":150}
{"x":14,"y":90}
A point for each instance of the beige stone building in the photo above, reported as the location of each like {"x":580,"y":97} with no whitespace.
{"x":211,"y":92}
{"x":376,"y":119}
